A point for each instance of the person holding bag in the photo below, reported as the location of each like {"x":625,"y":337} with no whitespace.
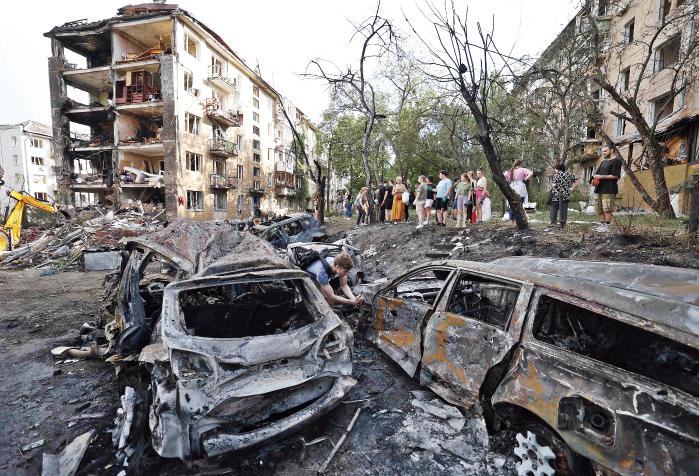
{"x":398,"y":210}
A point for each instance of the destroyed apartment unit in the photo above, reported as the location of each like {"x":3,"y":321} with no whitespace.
{"x":232,"y":345}
{"x":175,"y":118}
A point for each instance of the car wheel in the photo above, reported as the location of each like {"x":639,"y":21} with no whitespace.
{"x":541,"y":452}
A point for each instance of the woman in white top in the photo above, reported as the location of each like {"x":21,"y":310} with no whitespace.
{"x":481,"y":194}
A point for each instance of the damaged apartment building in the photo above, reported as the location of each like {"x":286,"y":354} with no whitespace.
{"x":175,"y":118}
{"x":627,"y":30}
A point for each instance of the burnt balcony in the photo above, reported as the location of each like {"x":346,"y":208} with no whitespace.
{"x":222,"y":147}
{"x":222,"y":182}
{"x":217,"y":76}
{"x":284,"y":190}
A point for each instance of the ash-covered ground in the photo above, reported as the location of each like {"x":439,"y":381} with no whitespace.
{"x":396,"y":432}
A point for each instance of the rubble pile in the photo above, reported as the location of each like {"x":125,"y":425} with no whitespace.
{"x":91,"y":229}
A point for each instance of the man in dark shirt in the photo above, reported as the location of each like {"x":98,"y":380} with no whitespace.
{"x":387,"y":202}
{"x":381,"y":194}
{"x":605,"y":181}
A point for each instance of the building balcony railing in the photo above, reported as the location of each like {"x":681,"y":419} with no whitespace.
{"x":224,"y":117}
{"x":283,"y":166}
{"x":217,"y":76}
{"x":221,"y":181}
{"x":256,"y":191}
{"x":283,"y":190}
{"x":222,"y":147}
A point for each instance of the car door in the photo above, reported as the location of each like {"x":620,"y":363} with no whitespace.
{"x":469,"y":333}
{"x":399,"y":311}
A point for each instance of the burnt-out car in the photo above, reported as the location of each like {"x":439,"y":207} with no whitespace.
{"x":241,"y":346}
{"x":296,"y":228}
{"x":595,"y":366}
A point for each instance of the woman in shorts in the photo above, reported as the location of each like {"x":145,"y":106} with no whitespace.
{"x":464,"y":193}
{"x":429,"y":201}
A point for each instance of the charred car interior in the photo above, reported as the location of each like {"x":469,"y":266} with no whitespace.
{"x":589,"y":373}
{"x":229,"y":347}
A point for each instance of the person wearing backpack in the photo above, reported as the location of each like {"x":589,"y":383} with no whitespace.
{"x":323,"y":269}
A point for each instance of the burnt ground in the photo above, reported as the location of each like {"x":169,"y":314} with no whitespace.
{"x":42,"y":400}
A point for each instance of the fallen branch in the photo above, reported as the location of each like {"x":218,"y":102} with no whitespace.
{"x":342,"y":439}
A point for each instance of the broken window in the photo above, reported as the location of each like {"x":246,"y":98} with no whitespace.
{"x":36,"y":143}
{"x":240,"y":172}
{"x":41,"y":196}
{"x":255,"y":171}
{"x":256,"y":157}
{"x":662,"y":107}
{"x":246,"y":309}
{"x":255,"y":103}
{"x":256,"y":117}
{"x":189,"y":83}
{"x":38,"y":161}
{"x":256,"y":130}
{"x":629,"y":31}
{"x":625,"y":79}
{"x":256,"y":144}
{"x":220,"y":201}
{"x":620,"y":126}
{"x":616,"y":343}
{"x":220,"y":167}
{"x":423,"y":287}
{"x":193,"y":162}
{"x":484,"y":300}
{"x":190,"y":44}
{"x":668,"y":54}
{"x":195,"y":200}
{"x":191,"y":123}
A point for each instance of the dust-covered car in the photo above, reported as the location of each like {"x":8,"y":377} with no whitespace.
{"x":296,"y":228}
{"x":592,"y":365}
{"x":241,"y":347}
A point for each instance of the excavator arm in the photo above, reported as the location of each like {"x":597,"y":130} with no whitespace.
{"x":11,"y":231}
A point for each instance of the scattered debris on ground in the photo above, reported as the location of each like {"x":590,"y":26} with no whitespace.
{"x":88,"y":231}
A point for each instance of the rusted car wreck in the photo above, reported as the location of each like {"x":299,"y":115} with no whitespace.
{"x":238,"y":345}
{"x":593,"y":365}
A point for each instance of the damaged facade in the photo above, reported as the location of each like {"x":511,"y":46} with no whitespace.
{"x":175,"y":116}
{"x":626,"y":28}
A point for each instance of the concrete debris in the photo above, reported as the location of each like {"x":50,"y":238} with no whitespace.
{"x":92,"y":352}
{"x":67,"y":461}
{"x":93,"y":229}
{"x":442,"y":410}
{"x":32,"y":445}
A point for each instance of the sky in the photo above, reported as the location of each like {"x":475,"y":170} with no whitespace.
{"x":282,"y":36}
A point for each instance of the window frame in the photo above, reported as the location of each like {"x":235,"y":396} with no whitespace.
{"x":391,"y":291}
{"x":189,"y":39}
{"x":193,"y":157}
{"x":199,"y":199}
{"x":217,"y":196}
{"x":37,"y":161}
{"x":629,"y":31}
{"x":196,"y":123}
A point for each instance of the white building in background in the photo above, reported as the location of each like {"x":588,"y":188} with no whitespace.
{"x":26,"y":156}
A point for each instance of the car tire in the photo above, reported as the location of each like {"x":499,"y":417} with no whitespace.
{"x":542,"y":452}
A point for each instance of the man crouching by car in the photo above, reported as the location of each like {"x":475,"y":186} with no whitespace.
{"x":324,"y":269}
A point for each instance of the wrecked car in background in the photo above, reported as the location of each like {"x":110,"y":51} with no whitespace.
{"x":591,"y":365}
{"x":243,"y":346}
{"x":296,"y":228}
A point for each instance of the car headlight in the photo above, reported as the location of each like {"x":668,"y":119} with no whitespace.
{"x":190,"y":365}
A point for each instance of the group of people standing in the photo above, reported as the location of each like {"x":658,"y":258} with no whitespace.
{"x":392,"y":200}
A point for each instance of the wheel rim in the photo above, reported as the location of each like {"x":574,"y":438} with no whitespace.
{"x":535,"y":458}
{"x":4,"y":241}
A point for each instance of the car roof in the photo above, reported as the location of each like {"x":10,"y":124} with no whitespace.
{"x":661,"y":295}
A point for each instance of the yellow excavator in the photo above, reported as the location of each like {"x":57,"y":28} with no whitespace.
{"x":11,"y":231}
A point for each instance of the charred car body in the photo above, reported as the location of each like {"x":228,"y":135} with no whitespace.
{"x":592,"y":364}
{"x":297,"y":228}
{"x":240,"y":347}
{"x":355,"y":276}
